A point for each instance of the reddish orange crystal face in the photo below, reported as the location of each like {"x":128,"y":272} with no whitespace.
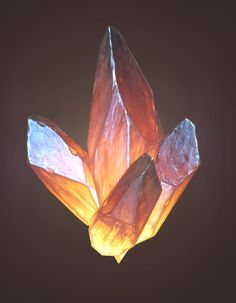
{"x":127,"y":183}
{"x":123,"y":121}
{"x":120,"y":220}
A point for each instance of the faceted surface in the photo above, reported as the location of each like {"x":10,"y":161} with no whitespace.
{"x":61,"y":165}
{"x":120,"y":220}
{"x":122,"y":122}
{"x":177,"y":160}
{"x":178,"y":156}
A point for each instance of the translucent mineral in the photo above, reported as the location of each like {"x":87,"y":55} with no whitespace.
{"x":127,"y":183}
{"x":123,"y":215}
{"x":62,"y":166}
{"x":123,"y":120}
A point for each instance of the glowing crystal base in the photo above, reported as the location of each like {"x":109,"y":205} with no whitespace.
{"x":130,"y":179}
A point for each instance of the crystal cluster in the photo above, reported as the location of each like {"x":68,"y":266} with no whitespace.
{"x":124,"y":187}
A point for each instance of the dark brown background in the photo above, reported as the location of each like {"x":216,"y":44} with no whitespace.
{"x":48,"y":53}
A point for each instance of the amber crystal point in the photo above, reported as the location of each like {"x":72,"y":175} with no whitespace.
{"x":61,"y":165}
{"x":117,"y":129}
{"x":120,"y":220}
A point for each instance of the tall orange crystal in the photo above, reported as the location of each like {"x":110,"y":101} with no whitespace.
{"x":122,"y":123}
{"x":126,"y":185}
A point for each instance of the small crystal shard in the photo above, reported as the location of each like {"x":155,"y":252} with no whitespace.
{"x":61,"y":165}
{"x":177,"y":160}
{"x":120,"y":220}
{"x":122,"y":122}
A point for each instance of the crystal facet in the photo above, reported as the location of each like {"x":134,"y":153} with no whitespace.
{"x":120,"y":220}
{"x":178,"y":156}
{"x":126,"y":185}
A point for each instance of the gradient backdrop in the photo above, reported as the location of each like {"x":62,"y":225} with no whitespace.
{"x":48,"y":54}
